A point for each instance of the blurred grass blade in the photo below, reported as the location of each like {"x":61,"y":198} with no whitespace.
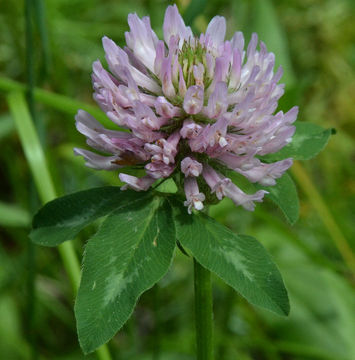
{"x":31,"y":146}
{"x":39,"y":16}
{"x":37,"y":163}
{"x":324,"y":213}
{"x":7,"y":126}
{"x":14,"y":216}
{"x":266,"y":24}
{"x":194,"y":9}
{"x":31,"y":250}
{"x":307,"y":351}
{"x":56,"y":101}
{"x":30,"y":77}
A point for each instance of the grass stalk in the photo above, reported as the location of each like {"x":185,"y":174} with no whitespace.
{"x":59,"y":102}
{"x":40,"y":19}
{"x":31,"y":248}
{"x":44,"y":184}
{"x":324,"y":213}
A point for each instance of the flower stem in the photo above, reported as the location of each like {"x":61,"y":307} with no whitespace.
{"x":203,"y":312}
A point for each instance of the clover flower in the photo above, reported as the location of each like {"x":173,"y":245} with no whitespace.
{"x":194,"y":107}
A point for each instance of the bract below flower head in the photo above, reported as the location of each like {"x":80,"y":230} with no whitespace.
{"x":194,"y":107}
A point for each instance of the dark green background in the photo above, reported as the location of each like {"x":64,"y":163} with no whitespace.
{"x":314,"y":40}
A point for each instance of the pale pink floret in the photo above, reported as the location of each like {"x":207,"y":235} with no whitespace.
{"x":198,"y":71}
{"x":190,"y":129}
{"x":96,"y":161}
{"x":225,"y":187}
{"x":138,"y":184}
{"x":159,"y":169}
{"x":181,"y":115}
{"x":216,"y":30}
{"x":191,"y":167}
{"x":265,"y":174}
{"x":142,"y":40}
{"x":217,"y":102}
{"x":194,"y":199}
{"x":174,"y":25}
{"x":193,"y":101}
{"x":164,"y":150}
{"x":165,"y":109}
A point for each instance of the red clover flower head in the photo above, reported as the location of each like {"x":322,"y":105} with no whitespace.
{"x":194,"y":108}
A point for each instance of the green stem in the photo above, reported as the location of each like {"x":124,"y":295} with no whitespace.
{"x":203,"y":312}
{"x":103,"y":353}
{"x":71,"y":264}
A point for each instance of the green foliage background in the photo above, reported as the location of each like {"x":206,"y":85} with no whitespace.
{"x":314,"y":41}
